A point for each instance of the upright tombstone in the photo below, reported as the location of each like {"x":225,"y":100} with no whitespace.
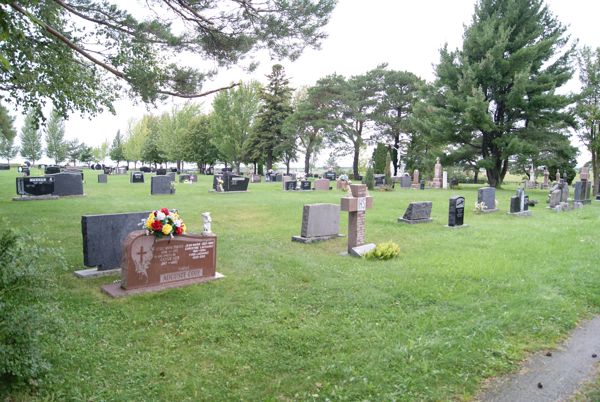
{"x":379,"y":180}
{"x":558,"y":196}
{"x":531,"y":183}
{"x":136,"y":177}
{"x":456,"y":211}
{"x":417,"y":212}
{"x":160,"y":185}
{"x":445,"y":180}
{"x":437,"y":175}
{"x":4,"y":166}
{"x":415,"y":183}
{"x":305,"y":185}
{"x":487,"y":196}
{"x":172,"y":176}
{"x":356,"y":205}
{"x":103,"y":178}
{"x":230,"y":182}
{"x":519,"y":204}
{"x":319,"y":222}
{"x":184,"y":177}
{"x":582,"y":192}
{"x":558,"y":178}
{"x":289,"y":185}
{"x":330,"y":175}
{"x":322,"y":185}
{"x":546,"y":182}
{"x":24,"y":170}
{"x":35,"y":188}
{"x":254,"y":178}
{"x":103,"y":237}
{"x":67,"y":183}
{"x":405,"y":181}
{"x":151,"y":264}
{"x":52,"y":169}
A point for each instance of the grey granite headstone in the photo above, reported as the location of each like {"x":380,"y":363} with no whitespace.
{"x":487,"y":195}
{"x":161,"y":185}
{"x":319,"y":222}
{"x":172,"y":176}
{"x":102,"y":178}
{"x":582,"y":192}
{"x":417,"y":212}
{"x":554,"y":197}
{"x":103,"y":237}
{"x":405,"y":181}
{"x":67,"y":184}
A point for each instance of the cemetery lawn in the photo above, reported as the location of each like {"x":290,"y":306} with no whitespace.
{"x":300,"y":322}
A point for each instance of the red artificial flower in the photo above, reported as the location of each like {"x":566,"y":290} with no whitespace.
{"x":157,"y":225}
{"x":155,"y":212}
{"x":178,"y":230}
{"x":165,"y":211}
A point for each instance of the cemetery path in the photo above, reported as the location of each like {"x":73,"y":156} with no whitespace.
{"x":552,"y":376}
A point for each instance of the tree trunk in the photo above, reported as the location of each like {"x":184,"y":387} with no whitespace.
{"x":355,"y":160}
{"x":307,"y":158}
{"x":475,"y":175}
{"x":595,"y":172}
{"x":287,"y":167}
{"x":395,"y":153}
{"x":269,"y":161}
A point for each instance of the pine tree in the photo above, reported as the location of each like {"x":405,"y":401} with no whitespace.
{"x":276,"y":107}
{"x":56,"y":147}
{"x":31,"y":138}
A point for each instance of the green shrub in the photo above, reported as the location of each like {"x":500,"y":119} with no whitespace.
{"x":384,"y":251}
{"x":27,"y":309}
{"x":370,"y":178}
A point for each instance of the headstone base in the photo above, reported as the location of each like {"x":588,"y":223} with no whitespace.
{"x":301,"y":239}
{"x":95,"y":272}
{"x":413,"y":221}
{"x":226,"y":192}
{"x":359,"y":251}
{"x":456,"y":226}
{"x":489,"y":211}
{"x":36,"y":197}
{"x":522,"y":213}
{"x":115,"y":289}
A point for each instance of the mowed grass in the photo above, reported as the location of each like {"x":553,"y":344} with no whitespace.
{"x":301,"y":322}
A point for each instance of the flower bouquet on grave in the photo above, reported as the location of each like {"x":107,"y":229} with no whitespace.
{"x":220,"y":184}
{"x":164,"y":223}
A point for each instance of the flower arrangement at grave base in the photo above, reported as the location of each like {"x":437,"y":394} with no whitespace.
{"x":163,"y":222}
{"x":220,"y":184}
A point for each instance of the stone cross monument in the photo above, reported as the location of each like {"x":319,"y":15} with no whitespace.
{"x":546,"y":184}
{"x":415,"y":183}
{"x":531,"y":183}
{"x":437,"y":175}
{"x":356,"y":204}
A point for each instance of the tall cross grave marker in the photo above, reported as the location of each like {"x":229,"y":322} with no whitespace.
{"x":356,"y":205}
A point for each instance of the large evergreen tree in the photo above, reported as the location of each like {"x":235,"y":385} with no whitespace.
{"x":31,"y":139}
{"x":56,"y":146}
{"x":276,"y":106}
{"x":79,"y":53}
{"x":498,"y":93}
{"x":588,"y":107}
{"x":7,"y":128}
{"x":117,"y":152}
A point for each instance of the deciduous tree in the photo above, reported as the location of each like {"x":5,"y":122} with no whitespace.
{"x":31,"y":139}
{"x":56,"y":146}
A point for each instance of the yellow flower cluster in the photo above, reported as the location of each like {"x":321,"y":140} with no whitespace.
{"x":167,"y":229}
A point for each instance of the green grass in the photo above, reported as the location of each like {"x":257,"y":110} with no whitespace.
{"x":300,"y":322}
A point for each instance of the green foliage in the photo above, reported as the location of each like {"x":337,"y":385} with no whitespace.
{"x":499,"y":93}
{"x":152,"y":150}
{"x":369,"y":178}
{"x":56,"y":146}
{"x":31,"y":139}
{"x":387,"y":170}
{"x":379,"y":157}
{"x":384,"y":251}
{"x":198,"y":145}
{"x":7,"y":128}
{"x":233,"y":117}
{"x":27,"y":309}
{"x":117,"y":149}
{"x":78,"y":55}
{"x":271,"y":141}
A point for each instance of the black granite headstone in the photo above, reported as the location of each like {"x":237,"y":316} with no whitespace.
{"x":103,"y":237}
{"x":161,"y":172}
{"x":136,"y":177}
{"x":422,"y":185}
{"x":379,"y":179}
{"x":515,"y":205}
{"x":161,"y":185}
{"x":456,"y":212}
{"x":4,"y":166}
{"x":52,"y":170}
{"x":35,"y":186}
{"x":23,"y":170}
{"x":184,"y":177}
{"x":67,"y":183}
{"x":290,"y":185}
{"x":330,"y":175}
{"x":417,"y":212}
{"x":305,"y":185}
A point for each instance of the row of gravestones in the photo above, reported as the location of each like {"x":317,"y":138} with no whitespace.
{"x":50,"y":186}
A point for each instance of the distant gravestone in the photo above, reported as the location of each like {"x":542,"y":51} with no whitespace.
{"x":417,"y":212}
{"x":422,"y":185}
{"x":102,"y":178}
{"x":437,"y":175}
{"x":405,"y":181}
{"x":136,"y":177}
{"x":52,"y":170}
{"x":487,"y":195}
{"x":145,"y":169}
{"x":151,"y":264}
{"x":322,"y":185}
{"x":255,"y":178}
{"x":456,"y":211}
{"x":379,"y":179}
{"x":4,"y":166}
{"x":161,"y":185}
{"x":103,"y":237}
{"x":357,"y":205}
{"x":519,"y":204}
{"x":161,"y":172}
{"x":172,"y":175}
{"x":582,"y":192}
{"x":329,"y":175}
{"x":184,"y":178}
{"x":35,"y":188}
{"x":546,"y":182}
{"x":305,"y":185}
{"x":66,"y":184}
{"x":415,"y":183}
{"x":319,"y":222}
{"x":444,"y":179}
{"x":24,"y":170}
{"x":289,"y":185}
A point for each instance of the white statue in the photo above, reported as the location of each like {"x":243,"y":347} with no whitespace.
{"x":207,"y":220}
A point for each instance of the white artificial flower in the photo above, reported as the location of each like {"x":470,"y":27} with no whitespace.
{"x":160,"y":216}
{"x":177,"y":223}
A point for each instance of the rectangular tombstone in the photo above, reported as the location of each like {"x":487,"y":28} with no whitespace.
{"x":103,"y":237}
{"x":255,"y":178}
{"x":102,"y":178}
{"x":319,"y":222}
{"x":305,"y":185}
{"x":379,"y":179}
{"x":554,"y":197}
{"x":149,"y":261}
{"x":235,"y":183}
{"x":67,"y":183}
{"x":161,"y":185}
{"x":322,"y":185}
{"x":172,"y":176}
{"x":289,"y":185}
{"x":445,"y":179}
{"x":136,"y":177}
{"x":515,"y":205}
{"x":52,"y":170}
{"x":405,"y":181}
{"x":582,"y":192}
{"x":184,"y":177}
{"x":4,"y":166}
{"x":456,"y":211}
{"x":330,"y":175}
{"x":417,"y":212}
{"x":487,"y":195}
{"x":35,"y":186}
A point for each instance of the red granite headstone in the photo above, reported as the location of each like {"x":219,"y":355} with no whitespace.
{"x":356,"y":205}
{"x":150,"y":263}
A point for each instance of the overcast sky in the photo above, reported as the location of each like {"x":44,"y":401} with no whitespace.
{"x":406,"y":34}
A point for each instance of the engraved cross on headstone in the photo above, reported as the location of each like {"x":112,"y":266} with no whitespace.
{"x":142,"y":253}
{"x":356,"y":205}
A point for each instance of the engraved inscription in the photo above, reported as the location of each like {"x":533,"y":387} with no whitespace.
{"x":180,"y":276}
